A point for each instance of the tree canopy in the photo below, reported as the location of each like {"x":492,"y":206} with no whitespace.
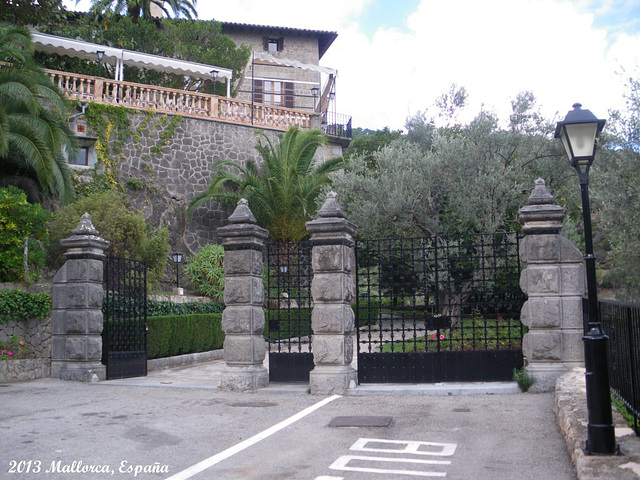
{"x":34,"y":135}
{"x":283,"y":190}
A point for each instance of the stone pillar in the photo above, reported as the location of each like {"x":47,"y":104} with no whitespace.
{"x":243,"y":316}
{"x":332,"y":318}
{"x":76,"y":314}
{"x":554,"y":284}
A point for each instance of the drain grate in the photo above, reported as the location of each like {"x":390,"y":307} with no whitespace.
{"x":360,"y":422}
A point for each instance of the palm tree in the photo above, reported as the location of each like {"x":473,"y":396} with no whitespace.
{"x":34,"y":135}
{"x":283,"y":192}
{"x":142,"y":8}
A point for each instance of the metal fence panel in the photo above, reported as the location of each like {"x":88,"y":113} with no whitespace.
{"x":421,"y":298}
{"x":288,"y":312}
{"x":124,"y":349}
{"x":621,"y":322}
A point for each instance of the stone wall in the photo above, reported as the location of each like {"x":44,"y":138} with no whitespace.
{"x":161,"y":181}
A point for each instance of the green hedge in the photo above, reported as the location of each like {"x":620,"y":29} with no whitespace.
{"x":156,"y":308}
{"x":21,"y":305}
{"x":176,"y":335}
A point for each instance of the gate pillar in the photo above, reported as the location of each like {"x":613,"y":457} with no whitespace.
{"x":243,"y":316}
{"x":76,"y":315}
{"x":554,"y":283}
{"x":332,"y":289}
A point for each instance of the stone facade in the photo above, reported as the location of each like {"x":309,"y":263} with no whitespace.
{"x":76,"y":313}
{"x":161,"y":183}
{"x":300,"y":45}
{"x":554,"y":284}
{"x":243,"y":316}
{"x":332,"y":288}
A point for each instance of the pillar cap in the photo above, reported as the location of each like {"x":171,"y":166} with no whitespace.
{"x":242,"y":213}
{"x":331,"y":207}
{"x":84,"y":240}
{"x":541,"y":215}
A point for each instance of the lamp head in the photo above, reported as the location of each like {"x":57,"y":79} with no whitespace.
{"x":177,"y":257}
{"x":100,"y":54}
{"x":579,"y":133}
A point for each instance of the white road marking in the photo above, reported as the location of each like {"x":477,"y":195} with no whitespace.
{"x":211,"y":461}
{"x":411,"y":447}
{"x":324,"y":477}
{"x":341,"y":464}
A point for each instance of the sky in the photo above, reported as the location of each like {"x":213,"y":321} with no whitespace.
{"x":396,"y":57}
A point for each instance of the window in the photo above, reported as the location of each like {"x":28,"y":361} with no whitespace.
{"x":273,"y":44}
{"x":82,"y":158}
{"x":272,"y":92}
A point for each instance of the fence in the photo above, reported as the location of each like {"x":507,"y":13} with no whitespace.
{"x":439,"y":309}
{"x":621,"y":322}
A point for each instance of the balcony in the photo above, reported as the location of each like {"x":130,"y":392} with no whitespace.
{"x":172,"y":101}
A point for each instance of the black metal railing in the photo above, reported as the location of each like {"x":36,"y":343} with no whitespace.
{"x":421,"y":297}
{"x":288,"y":313}
{"x":336,"y":124}
{"x":621,"y":322}
{"x":124,"y":336}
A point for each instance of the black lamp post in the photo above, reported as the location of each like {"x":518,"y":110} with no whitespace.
{"x":214,"y":78}
{"x":100,"y":54}
{"x":314,"y":92}
{"x":579,"y":132}
{"x":177,"y":259}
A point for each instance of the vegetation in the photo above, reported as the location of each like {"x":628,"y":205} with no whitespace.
{"x":20,"y":222}
{"x":178,"y":335}
{"x":157,"y":308}
{"x":142,"y":8}
{"x":127,"y":231}
{"x":283,"y":191}
{"x":21,"y":305}
{"x":523,"y":378}
{"x":32,"y":12}
{"x":34,"y":136}
{"x":204,"y":271}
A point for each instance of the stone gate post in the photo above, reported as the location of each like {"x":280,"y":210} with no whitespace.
{"x":332,"y":289}
{"x":554,"y":283}
{"x":76,"y":314}
{"x":243,"y":316}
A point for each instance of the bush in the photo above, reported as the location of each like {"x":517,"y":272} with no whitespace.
{"x":21,"y":305}
{"x":20,"y":219}
{"x":177,"y":335}
{"x":204,"y":271}
{"x":156,"y":308}
{"x":127,"y":231}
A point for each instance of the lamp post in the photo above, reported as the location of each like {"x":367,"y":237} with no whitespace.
{"x":579,"y":132}
{"x":177,"y":260}
{"x":100,"y":54}
{"x":214,"y":78}
{"x":314,"y":92}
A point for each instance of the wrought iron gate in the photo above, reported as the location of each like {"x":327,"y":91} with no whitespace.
{"x":439,"y":309}
{"x":288,"y":313}
{"x":124,"y":345}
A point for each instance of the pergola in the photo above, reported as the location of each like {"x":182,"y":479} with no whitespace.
{"x":120,"y":57}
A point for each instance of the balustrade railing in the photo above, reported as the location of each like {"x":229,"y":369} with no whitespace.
{"x":174,"y":101}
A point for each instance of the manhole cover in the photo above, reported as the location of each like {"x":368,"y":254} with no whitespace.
{"x":461,"y":410}
{"x":253,"y":404}
{"x":360,"y":422}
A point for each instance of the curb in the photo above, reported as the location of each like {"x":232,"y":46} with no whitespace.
{"x":183,"y":360}
{"x":571,"y":411}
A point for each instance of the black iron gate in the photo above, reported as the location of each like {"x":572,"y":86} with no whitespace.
{"x":288,"y":312}
{"x":124,"y":337}
{"x":439,"y":309}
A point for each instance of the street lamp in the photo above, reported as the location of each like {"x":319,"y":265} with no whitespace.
{"x":214,"y":78}
{"x":100,"y":54}
{"x":177,"y":260}
{"x":579,"y":133}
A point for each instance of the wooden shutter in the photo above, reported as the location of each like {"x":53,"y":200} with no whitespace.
{"x":265,"y":43}
{"x":289,"y":100}
{"x":281,"y":44}
{"x":258,"y":89}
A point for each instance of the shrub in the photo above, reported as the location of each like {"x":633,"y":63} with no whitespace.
{"x":20,"y":219}
{"x":127,"y":231}
{"x":157,"y":308}
{"x":204,"y":271}
{"x":176,"y":335}
{"x":21,"y":305}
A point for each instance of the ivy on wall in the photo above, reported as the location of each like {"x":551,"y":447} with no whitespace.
{"x":112,"y":126}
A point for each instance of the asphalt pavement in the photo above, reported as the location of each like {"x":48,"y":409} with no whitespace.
{"x":176,"y":424}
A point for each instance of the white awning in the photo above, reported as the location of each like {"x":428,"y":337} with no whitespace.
{"x":119,"y":57}
{"x":265,"y":57}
